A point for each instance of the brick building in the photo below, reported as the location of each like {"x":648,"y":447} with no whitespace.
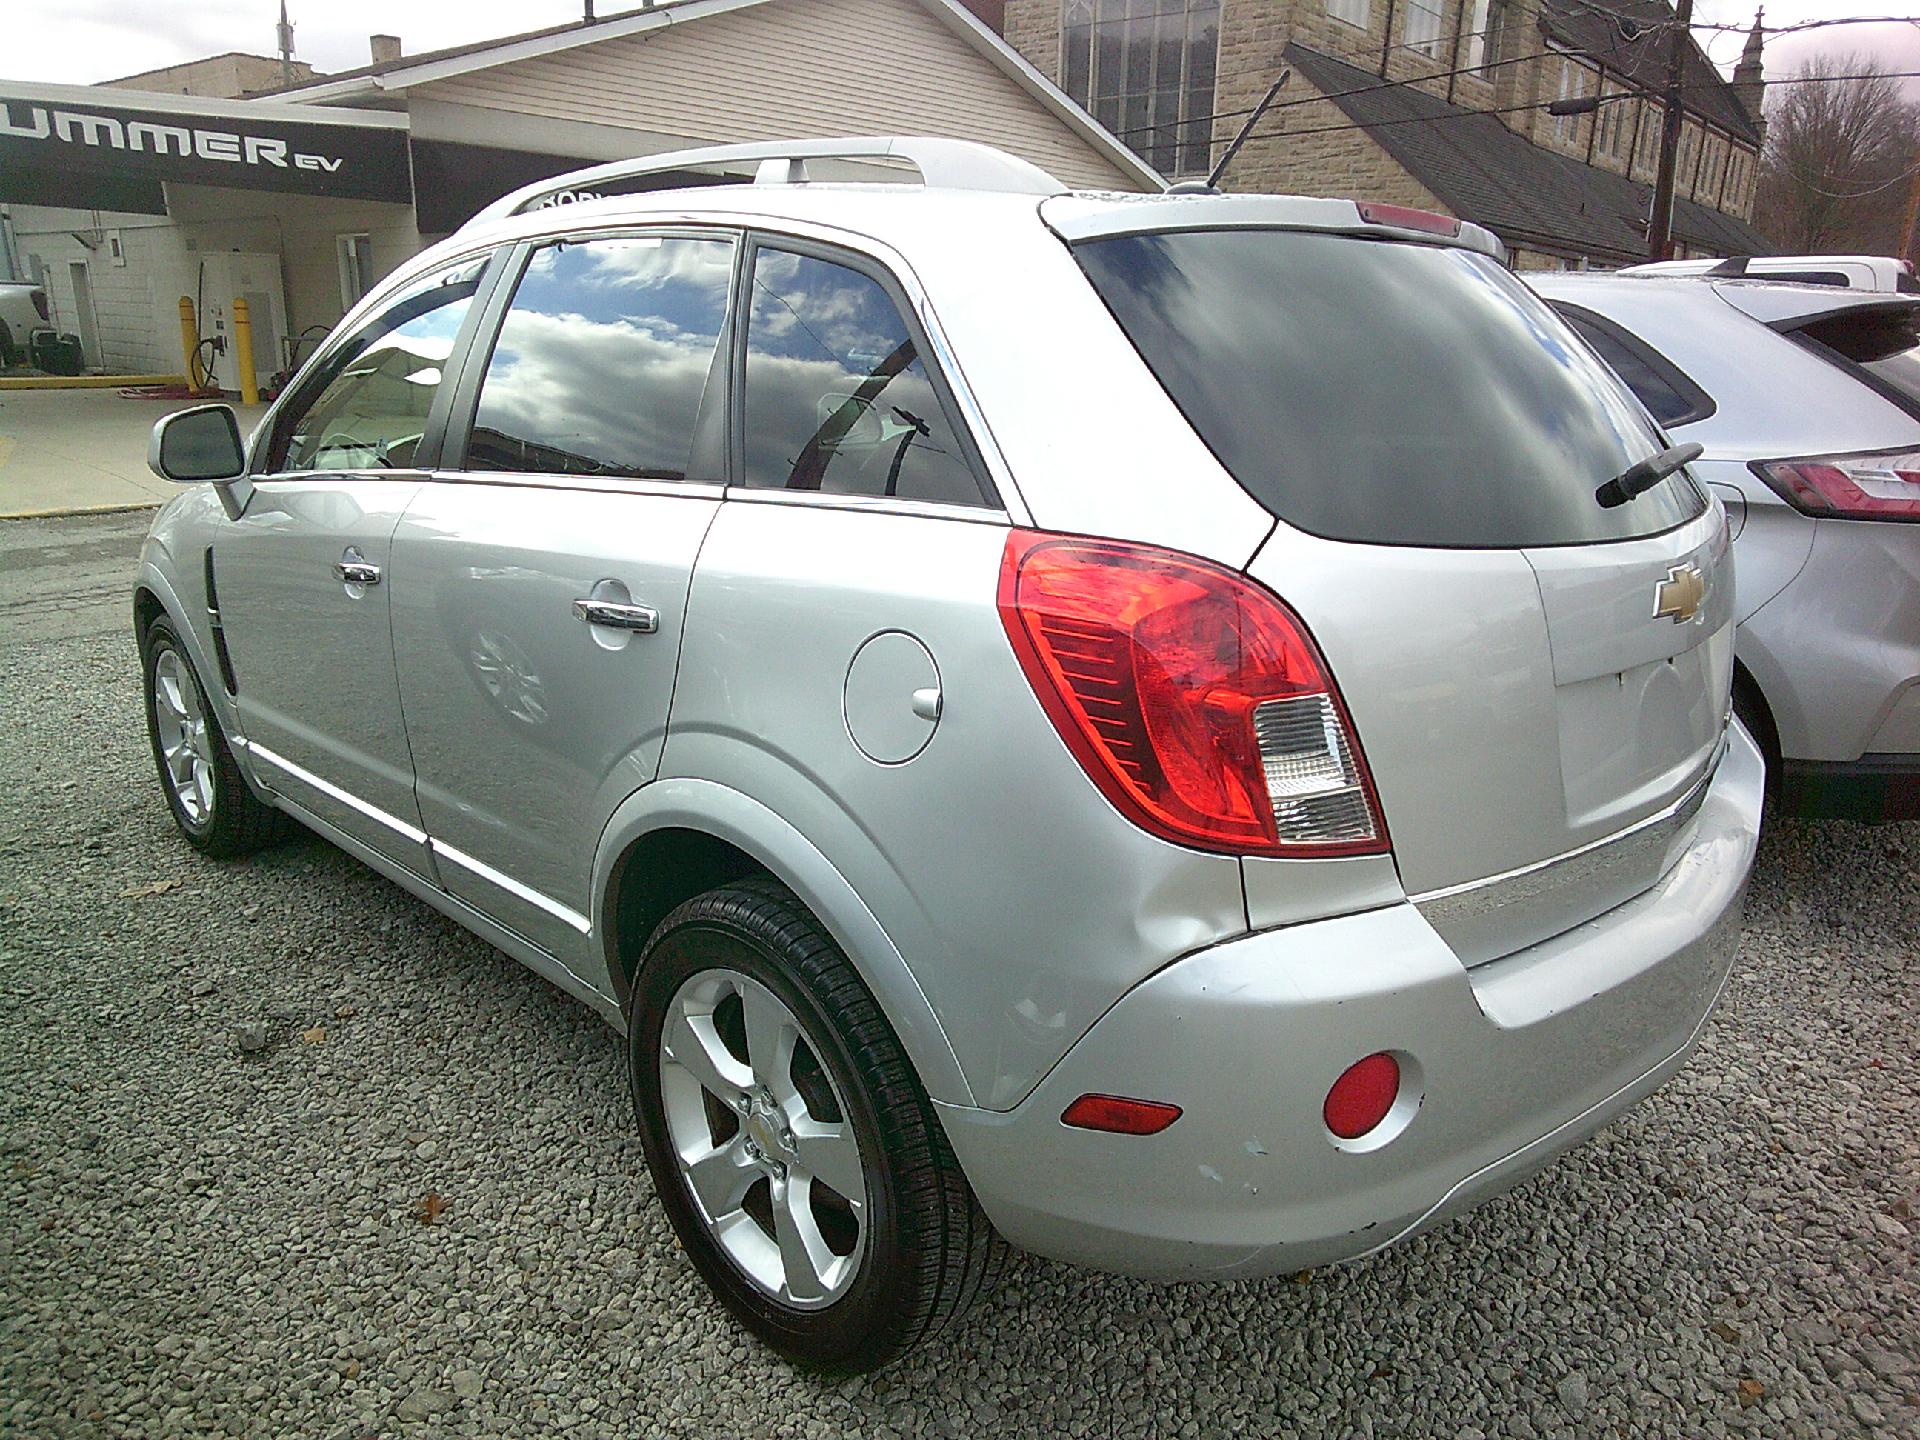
{"x":1434,"y":103}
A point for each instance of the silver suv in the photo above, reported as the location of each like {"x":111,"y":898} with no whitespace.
{"x":1807,"y":400}
{"x":1187,"y":732}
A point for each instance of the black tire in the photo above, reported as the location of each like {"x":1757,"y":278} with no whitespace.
{"x":237,"y":822}
{"x":928,"y":1249}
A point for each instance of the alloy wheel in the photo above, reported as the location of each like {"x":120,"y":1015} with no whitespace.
{"x":764,"y":1142}
{"x":186,"y":746}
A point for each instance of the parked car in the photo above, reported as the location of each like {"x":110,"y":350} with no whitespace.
{"x":23,"y":310}
{"x":1808,"y":404}
{"x":1187,"y":732}
{"x":1848,"y":272}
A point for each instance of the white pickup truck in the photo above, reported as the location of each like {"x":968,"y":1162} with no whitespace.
{"x":23,"y":310}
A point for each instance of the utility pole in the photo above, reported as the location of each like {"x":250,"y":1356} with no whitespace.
{"x":283,"y":32}
{"x":1660,"y":218}
{"x":1912,"y":233}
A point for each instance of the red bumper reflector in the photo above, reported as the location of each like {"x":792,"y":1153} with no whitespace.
{"x":1119,"y":1115}
{"x":1362,"y":1096}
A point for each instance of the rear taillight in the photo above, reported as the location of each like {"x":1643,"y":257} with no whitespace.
{"x":40,"y":304}
{"x":1849,"y":487}
{"x":1192,"y":697}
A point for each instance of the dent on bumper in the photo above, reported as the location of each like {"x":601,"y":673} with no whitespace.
{"x":1516,"y":1061}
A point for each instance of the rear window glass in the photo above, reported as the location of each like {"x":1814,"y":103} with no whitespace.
{"x":1670,"y":397}
{"x":1885,"y":344}
{"x":1385,"y":392}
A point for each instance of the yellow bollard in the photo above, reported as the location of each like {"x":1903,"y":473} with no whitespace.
{"x":190,"y":341}
{"x":243,"y":350}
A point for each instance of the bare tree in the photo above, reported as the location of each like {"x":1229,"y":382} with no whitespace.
{"x":1839,"y":155}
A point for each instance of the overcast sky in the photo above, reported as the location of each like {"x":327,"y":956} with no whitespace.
{"x":80,"y":41}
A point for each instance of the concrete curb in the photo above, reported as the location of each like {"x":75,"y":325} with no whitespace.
{"x":58,"y":512}
{"x":87,"y":382}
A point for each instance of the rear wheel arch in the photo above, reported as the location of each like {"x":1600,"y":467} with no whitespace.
{"x":706,"y":835}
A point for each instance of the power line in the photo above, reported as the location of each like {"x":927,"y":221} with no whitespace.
{"x":1360,"y":89}
{"x":1542,"y":104}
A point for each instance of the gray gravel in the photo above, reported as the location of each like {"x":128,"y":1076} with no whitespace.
{"x":224,"y":1103}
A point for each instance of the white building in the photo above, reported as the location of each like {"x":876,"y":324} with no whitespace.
{"x":122,"y":201}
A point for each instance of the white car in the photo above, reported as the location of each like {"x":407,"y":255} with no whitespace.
{"x":23,"y":310}
{"x":1808,"y":403}
{"x":1848,"y":272}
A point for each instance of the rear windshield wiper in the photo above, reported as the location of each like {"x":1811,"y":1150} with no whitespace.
{"x":1648,"y":473}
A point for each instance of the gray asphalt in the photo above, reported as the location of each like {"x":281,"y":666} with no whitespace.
{"x":197,"y":1240}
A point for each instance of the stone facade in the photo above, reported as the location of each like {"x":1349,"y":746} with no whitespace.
{"x":1307,"y":145}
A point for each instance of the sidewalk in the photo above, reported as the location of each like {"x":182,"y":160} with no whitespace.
{"x":67,"y":451}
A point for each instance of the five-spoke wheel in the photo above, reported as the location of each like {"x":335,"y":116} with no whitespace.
{"x":790,"y":1142}
{"x":762,"y":1138}
{"x":204,"y":788}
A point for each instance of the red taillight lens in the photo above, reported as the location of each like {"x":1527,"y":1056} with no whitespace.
{"x":1118,"y":1115}
{"x":1362,"y":1096}
{"x":40,"y":304}
{"x":1405,"y":217}
{"x":1192,"y":697}
{"x":1849,"y":487}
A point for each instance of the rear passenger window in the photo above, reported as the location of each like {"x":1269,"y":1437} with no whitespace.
{"x":1670,"y":396}
{"x":838,"y":398}
{"x":603,"y":360}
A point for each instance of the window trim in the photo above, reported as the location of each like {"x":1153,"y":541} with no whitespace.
{"x":1700,"y":405}
{"x":711,"y":439}
{"x":317,"y":372}
{"x":991,"y":504}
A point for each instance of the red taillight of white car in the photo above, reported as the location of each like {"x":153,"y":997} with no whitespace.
{"x":1192,"y":697}
{"x":1849,"y":487}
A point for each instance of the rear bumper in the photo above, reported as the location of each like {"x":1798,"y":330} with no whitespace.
{"x":1505,"y":1066}
{"x":1873,"y":788}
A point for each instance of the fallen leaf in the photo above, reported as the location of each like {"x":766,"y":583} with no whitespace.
{"x":432,"y":1206}
{"x":1302,"y":1277}
{"x":157,"y":887}
{"x":351,"y":1370}
{"x":1750,"y":1392}
{"x":1725,"y":1331}
{"x":345,"y":1012}
{"x":315,"y":1036}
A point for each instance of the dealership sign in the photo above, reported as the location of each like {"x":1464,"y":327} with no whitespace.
{"x":353,"y":161}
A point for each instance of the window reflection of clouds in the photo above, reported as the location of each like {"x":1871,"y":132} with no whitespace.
{"x":603,"y":358}
{"x":1407,"y":393}
{"x":818,"y":329}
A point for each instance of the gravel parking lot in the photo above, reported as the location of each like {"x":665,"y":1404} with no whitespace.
{"x":232,"y":1098}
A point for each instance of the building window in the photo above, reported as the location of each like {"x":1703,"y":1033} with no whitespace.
{"x":1354,"y":12}
{"x":356,"y":268}
{"x":1484,"y":21}
{"x":1145,"y":69}
{"x":1571,"y":85}
{"x":1616,"y":127}
{"x":1423,"y":27}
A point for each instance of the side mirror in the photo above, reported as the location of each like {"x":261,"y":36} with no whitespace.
{"x":199,"y":444}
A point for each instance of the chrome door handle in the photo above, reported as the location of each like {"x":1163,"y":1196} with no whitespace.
{"x":615,"y":616}
{"x":357,"y":572}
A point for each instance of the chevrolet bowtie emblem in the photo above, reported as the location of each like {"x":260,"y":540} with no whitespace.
{"x":1678,"y":596}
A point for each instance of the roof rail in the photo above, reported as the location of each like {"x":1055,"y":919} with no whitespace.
{"x":948,"y":164}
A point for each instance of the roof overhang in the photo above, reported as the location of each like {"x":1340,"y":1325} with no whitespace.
{"x":429,"y":68}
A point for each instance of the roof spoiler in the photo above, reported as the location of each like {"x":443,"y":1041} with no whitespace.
{"x":943,"y":163}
